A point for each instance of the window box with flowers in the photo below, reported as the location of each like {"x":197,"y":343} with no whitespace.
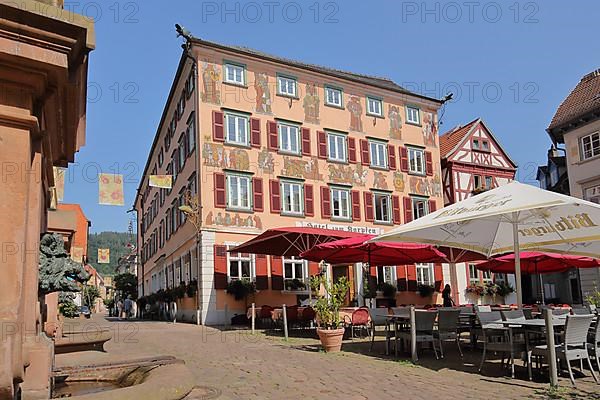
{"x":475,"y":289}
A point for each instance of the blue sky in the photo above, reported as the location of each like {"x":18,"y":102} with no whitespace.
{"x":509,"y":62}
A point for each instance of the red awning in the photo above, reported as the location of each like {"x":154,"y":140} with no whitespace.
{"x":533,"y":262}
{"x":290,"y":241}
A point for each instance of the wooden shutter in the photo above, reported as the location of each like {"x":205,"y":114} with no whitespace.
{"x":257,"y":189}
{"x":355,"y":195}
{"x":403,"y":152}
{"x":275,"y":196}
{"x":255,"y":132}
{"x":305,"y":141}
{"x":407,"y":209}
{"x":272,"y":136}
{"x":365,"y":158}
{"x":432,"y":205}
{"x":369,"y":214}
{"x":401,"y":278}
{"x":262,"y":275}
{"x":313,"y":268}
{"x":352,"y":150}
{"x":325,"y":202}
{"x":396,"y":212}
{"x":220,"y":197}
{"x":428,"y":163}
{"x":391,"y":157}
{"x":438,"y":276}
{"x":309,"y":201}
{"x":322,"y":144}
{"x":276,"y":273}
{"x":220,"y":257}
{"x":412,"y":277}
{"x":218,"y":126}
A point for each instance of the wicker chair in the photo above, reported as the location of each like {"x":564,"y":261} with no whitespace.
{"x":498,"y":338}
{"x":424,"y":321}
{"x":594,"y":343}
{"x":447,"y":328}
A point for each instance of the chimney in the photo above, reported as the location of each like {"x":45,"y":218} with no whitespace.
{"x":553,"y":152}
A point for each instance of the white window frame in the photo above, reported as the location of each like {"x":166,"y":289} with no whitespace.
{"x":287,"y":82}
{"x":234,"y":181}
{"x":238,"y":71}
{"x":285,"y":129}
{"x":241,"y":139}
{"x":592,"y":193}
{"x":500,"y":278}
{"x":330,"y":96}
{"x":421,"y":267}
{"x":389,"y":275}
{"x":295,"y":261}
{"x":414,"y":166}
{"x":343,"y":196}
{"x":338,"y":150}
{"x":472,"y":268}
{"x":388,"y":198}
{"x":488,"y":181}
{"x":414,"y":203}
{"x":487,"y":277}
{"x":477,"y":182}
{"x":291,"y":208}
{"x":593,"y":151}
{"x":240,"y":258}
{"x":413,"y":115}
{"x":371,"y":101}
{"x":378,"y":154}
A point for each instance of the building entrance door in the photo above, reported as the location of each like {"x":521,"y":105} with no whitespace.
{"x":339,"y":271}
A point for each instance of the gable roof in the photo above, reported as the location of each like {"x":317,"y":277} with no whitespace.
{"x":581,"y":105}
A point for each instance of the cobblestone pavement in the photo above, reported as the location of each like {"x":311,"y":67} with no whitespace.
{"x":236,"y":365}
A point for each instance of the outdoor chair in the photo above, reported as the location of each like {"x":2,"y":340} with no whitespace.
{"x":378,"y":318}
{"x":592,"y":308}
{"x":424,"y":321}
{"x":307,"y":317}
{"x":594,"y":343}
{"x":498,"y":338}
{"x":559,"y":312}
{"x":447,"y":328}
{"x":265,"y":316}
{"x":483,"y":309}
{"x":291,"y":314}
{"x":580,"y":310}
{"x":358,"y":320}
{"x":574,"y":345}
{"x":528,"y":313}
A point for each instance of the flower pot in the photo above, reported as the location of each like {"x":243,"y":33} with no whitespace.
{"x":331,"y":339}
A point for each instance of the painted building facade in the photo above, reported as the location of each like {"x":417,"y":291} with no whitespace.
{"x":267,"y":142}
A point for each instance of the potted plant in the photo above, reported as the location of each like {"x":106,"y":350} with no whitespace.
{"x":425,"y":290}
{"x":294,"y":284}
{"x":475,"y":289}
{"x":191,"y":288}
{"x":387,"y":289}
{"x":504,"y":289}
{"x":327,"y":309}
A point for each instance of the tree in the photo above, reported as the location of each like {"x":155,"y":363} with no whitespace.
{"x":126,"y":284}
{"x":67,"y":306}
{"x":90,"y":294}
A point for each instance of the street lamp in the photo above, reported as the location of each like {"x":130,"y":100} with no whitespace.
{"x":193,"y":214}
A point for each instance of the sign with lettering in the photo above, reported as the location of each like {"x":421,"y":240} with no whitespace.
{"x":366,"y":230}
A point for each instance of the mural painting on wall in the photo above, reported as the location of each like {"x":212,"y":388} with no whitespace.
{"x":215,"y":155}
{"x":425,"y":186}
{"x":263,"y":95}
{"x":347,"y":175}
{"x":429,"y":129}
{"x":379,"y":181}
{"x":211,"y":78}
{"x":395,"y":122}
{"x":265,"y":161}
{"x":233,"y":220}
{"x":355,"y":110}
{"x":311,"y":104}
{"x":398,"y":181}
{"x":297,"y":168}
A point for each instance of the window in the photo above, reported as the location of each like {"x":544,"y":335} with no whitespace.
{"x":291,"y":198}
{"x":486,"y":276}
{"x":340,"y":203}
{"x":174,"y":217}
{"x":489,"y":182}
{"x":592,"y":194}
{"x":192,"y":184}
{"x":162,"y":196}
{"x":374,"y":107}
{"x":333,"y":97}
{"x":238,"y":192}
{"x":175,"y":163}
{"x":485,"y":145}
{"x":387,"y":274}
{"x":294,"y":268}
{"x":182,"y":152}
{"x":473,"y":274}
{"x":420,"y":207}
{"x":476,"y":145}
{"x":336,"y":147}
{"x":236,"y":129}
{"x":590,"y":146}
{"x":168,"y":224}
{"x":181,"y":106}
{"x":500,"y":278}
{"x":191,"y":134}
{"x":240,"y":266}
{"x":476,"y":181}
{"x":190,"y":84}
{"x":286,"y":86}
{"x":381,"y":202}
{"x":182,"y":216}
{"x":416,"y":161}
{"x":161,"y":157}
{"x":425,"y":274}
{"x":289,"y":138}
{"x":413,"y":115}
{"x":378,"y":154}
{"x":235,"y":74}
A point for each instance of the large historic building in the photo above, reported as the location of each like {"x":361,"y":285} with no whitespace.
{"x":269,"y":142}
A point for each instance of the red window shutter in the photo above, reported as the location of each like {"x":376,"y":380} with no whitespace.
{"x":257,"y":188}
{"x":313,"y":268}
{"x":262,"y":275}
{"x":402,"y":281}
{"x":305,"y":142}
{"x":355,"y":195}
{"x":322,"y":140}
{"x":438,"y":276}
{"x":275,"y":196}
{"x":273,"y":137}
{"x":220,"y":198}
{"x":325,"y":202}
{"x":218,"y":126}
{"x":369,"y":215}
{"x":403,"y":151}
{"x":365,"y":158}
{"x":396,"y":213}
{"x":255,"y":132}
{"x":432,"y":205}
{"x":428,"y":163}
{"x":391,"y":157}
{"x":276,"y":273}
{"x":220,"y":256}
{"x":352,"y":150}
{"x":407,"y":210}
{"x":412,"y":277}
{"x":309,"y":201}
